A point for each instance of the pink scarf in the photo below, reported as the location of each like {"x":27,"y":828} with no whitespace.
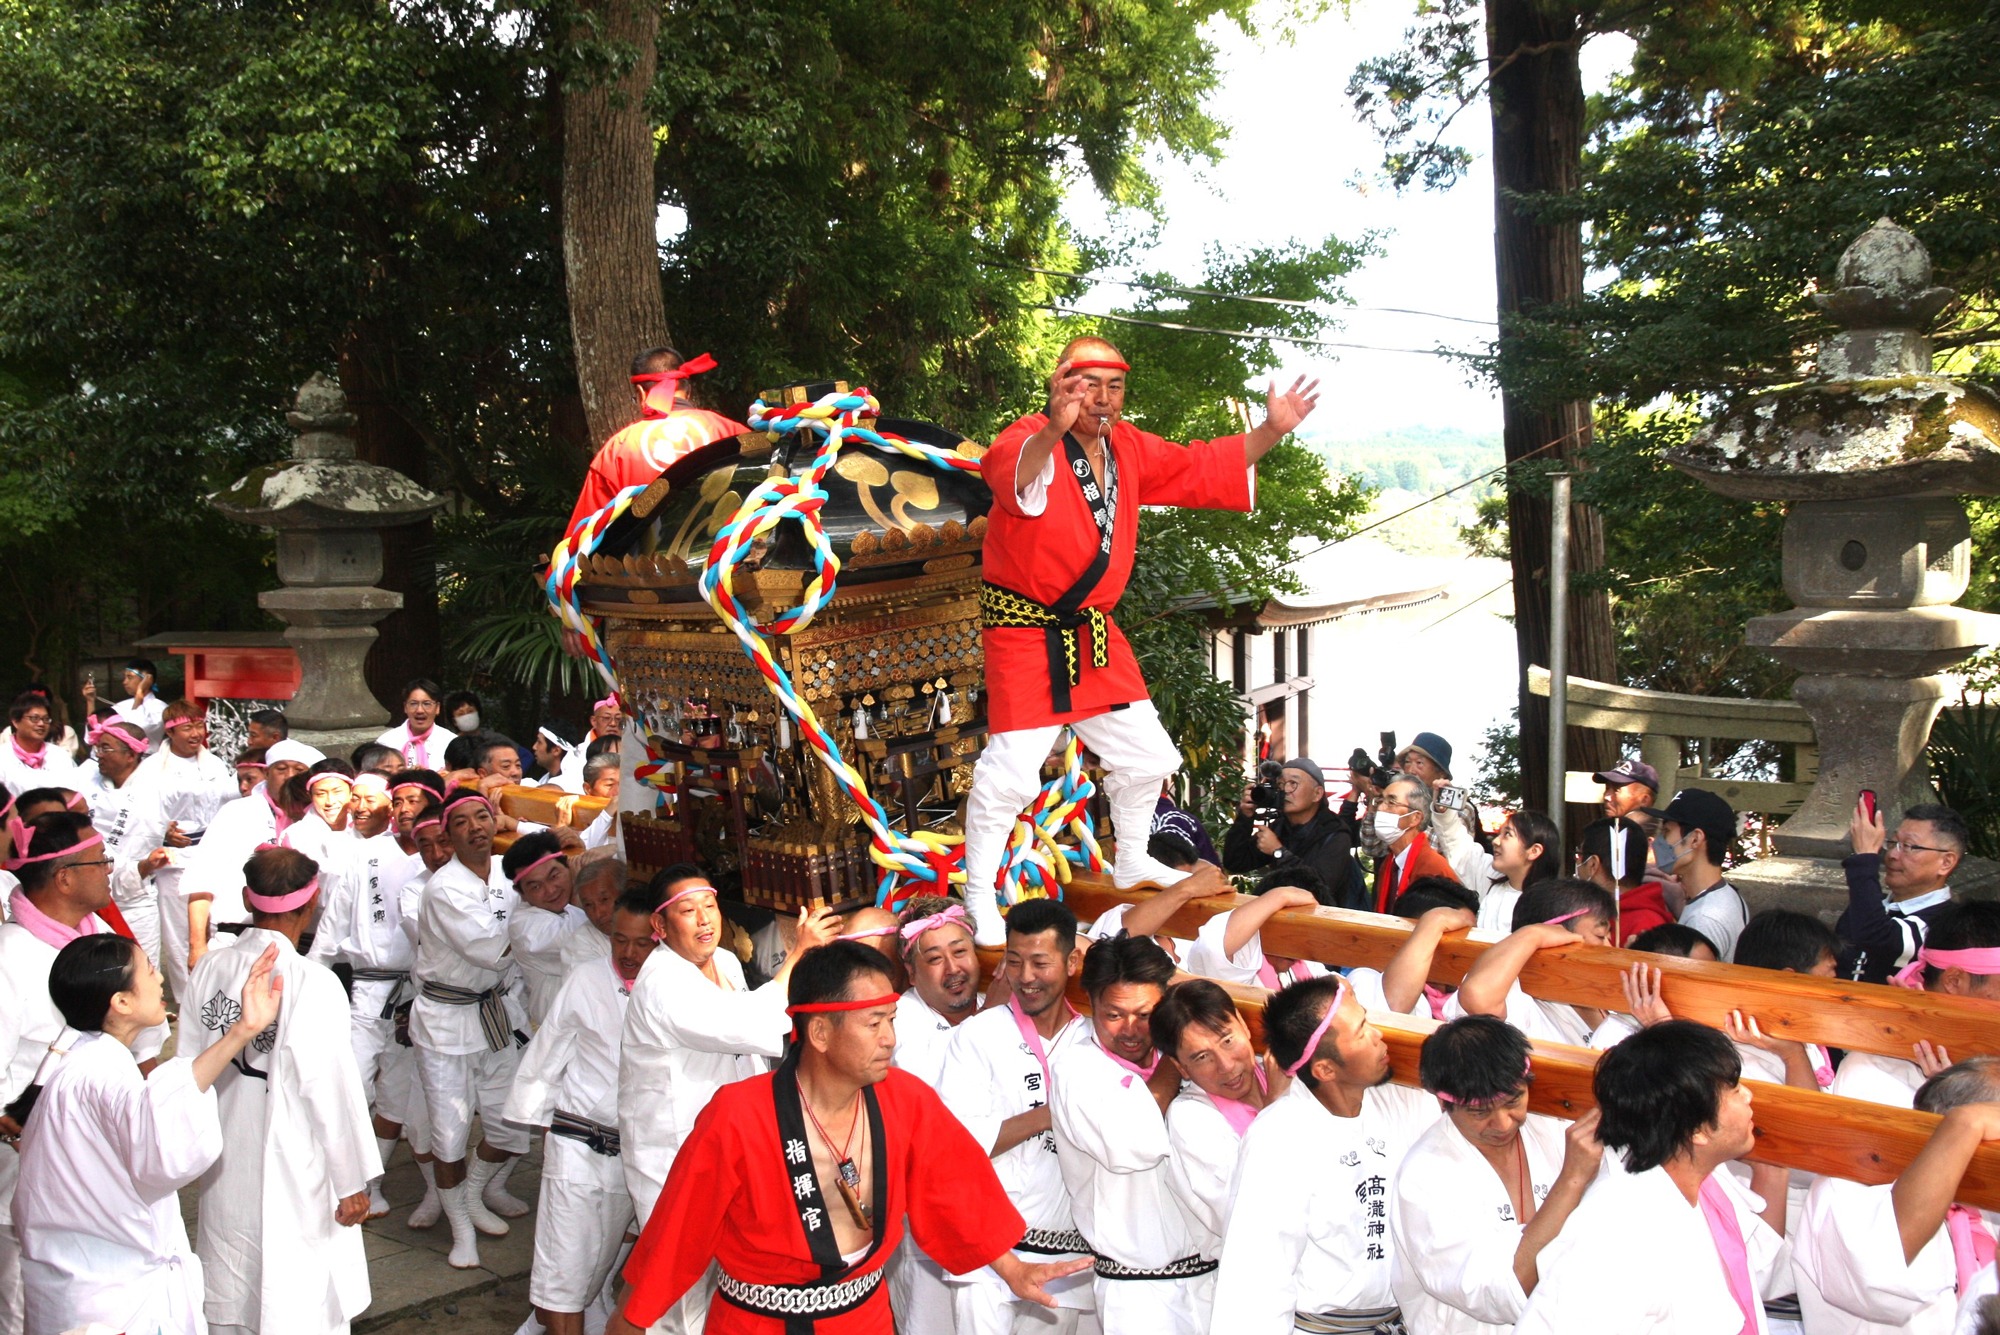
{"x":1143,"y":1072}
{"x":1972,"y":1244}
{"x":1033,"y":1037}
{"x":52,"y":933}
{"x":32,"y":759}
{"x":1267,"y":976}
{"x":1436,"y":997}
{"x":1236,"y":1112}
{"x":1730,"y":1248}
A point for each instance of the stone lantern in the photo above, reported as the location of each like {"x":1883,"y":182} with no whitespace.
{"x":328,"y":510}
{"x":1872,"y":453}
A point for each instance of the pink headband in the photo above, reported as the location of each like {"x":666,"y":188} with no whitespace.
{"x":697,"y":888}
{"x":290,"y":903}
{"x":1527,"y":1073}
{"x":117,"y":728}
{"x":1325,"y":1023}
{"x":79,"y":846}
{"x":371,"y":782}
{"x":608,"y":702}
{"x":422,"y":824}
{"x":328,"y":777}
{"x":1573,"y":913}
{"x":546,"y":857}
{"x":406,"y":787}
{"x":1979,"y":960}
{"x":910,"y":931}
{"x":251,"y":764}
{"x":868,"y":933}
{"x":462,"y":795}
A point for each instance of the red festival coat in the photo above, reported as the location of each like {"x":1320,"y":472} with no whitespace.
{"x":1041,"y":556}
{"x":646,"y":449}
{"x":729,"y":1198}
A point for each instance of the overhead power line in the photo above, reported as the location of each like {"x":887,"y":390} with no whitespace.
{"x":1176,"y":290}
{"x":1247,"y":336}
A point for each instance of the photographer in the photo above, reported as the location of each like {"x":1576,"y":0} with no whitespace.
{"x":1301,"y":829}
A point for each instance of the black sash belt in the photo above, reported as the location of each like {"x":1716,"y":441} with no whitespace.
{"x":1185,"y":1268}
{"x":492,"y":1015}
{"x":1004,"y":607}
{"x":593,"y":1136}
{"x":396,"y":976}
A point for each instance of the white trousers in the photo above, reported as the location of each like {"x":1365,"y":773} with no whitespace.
{"x":918,"y":1293}
{"x":1155,"y":1306}
{"x":173,"y":920}
{"x":1137,"y":757}
{"x":141,"y":907}
{"x":456,"y":1085}
{"x":577,"y":1236}
{"x":13,"y":1315}
{"x":690,"y":1315}
{"x":988,"y":1307}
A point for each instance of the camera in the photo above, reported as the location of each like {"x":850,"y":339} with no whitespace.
{"x":1264,"y":794}
{"x":1377,"y":769}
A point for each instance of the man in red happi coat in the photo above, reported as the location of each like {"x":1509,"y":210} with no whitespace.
{"x":669,"y":428}
{"x":1067,"y":486}
{"x":799,"y":1183}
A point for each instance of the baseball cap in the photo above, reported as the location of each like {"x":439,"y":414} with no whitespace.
{"x":1698,"y":809}
{"x":1632,"y":771}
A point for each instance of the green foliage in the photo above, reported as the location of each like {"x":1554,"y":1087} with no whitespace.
{"x":1964,"y":758}
{"x":1416,"y":459}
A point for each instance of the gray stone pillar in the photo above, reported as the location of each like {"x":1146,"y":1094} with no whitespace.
{"x":328,"y":510}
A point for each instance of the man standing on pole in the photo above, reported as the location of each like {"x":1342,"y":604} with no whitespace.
{"x":1067,"y":487}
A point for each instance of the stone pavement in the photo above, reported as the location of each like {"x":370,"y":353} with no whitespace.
{"x":416,"y":1291}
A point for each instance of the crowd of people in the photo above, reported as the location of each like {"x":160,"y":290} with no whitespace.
{"x":351,"y":965}
{"x":835,"y":1124}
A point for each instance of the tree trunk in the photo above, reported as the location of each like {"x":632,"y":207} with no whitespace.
{"x":609,"y":202}
{"x":1536,"y":97}
{"x":409,"y":641}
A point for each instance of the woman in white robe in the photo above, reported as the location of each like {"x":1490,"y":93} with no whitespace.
{"x":106,"y":1150}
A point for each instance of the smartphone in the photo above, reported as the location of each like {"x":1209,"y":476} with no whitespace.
{"x":1868,"y":803}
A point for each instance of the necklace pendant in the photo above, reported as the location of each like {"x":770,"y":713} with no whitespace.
{"x":850,"y":1176}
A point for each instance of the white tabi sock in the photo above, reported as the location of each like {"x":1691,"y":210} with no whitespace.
{"x":498,"y":1199}
{"x":464,"y":1240}
{"x":479,"y":1172}
{"x":431,"y":1207}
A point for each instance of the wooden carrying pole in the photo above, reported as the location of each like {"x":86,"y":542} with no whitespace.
{"x":1802,"y":1129}
{"x":1858,"y":1017}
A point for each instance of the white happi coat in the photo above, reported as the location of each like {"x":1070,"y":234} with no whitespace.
{"x":989,"y":1075}
{"x":214,"y":867}
{"x":571,"y":1066}
{"x":97,"y":1213}
{"x":300,"y":1141}
{"x":1111,"y":1144}
{"x":536,"y":937}
{"x":130,"y":820}
{"x":1207,"y":958}
{"x":922,"y":1035}
{"x":150,"y":714}
{"x":57,"y":770}
{"x":1549,"y":1021}
{"x":685,"y":1038}
{"x":583,"y":945}
{"x":462,"y":942}
{"x":1588,"y":1281}
{"x":1202,"y":1164}
{"x":361,"y":917}
{"x":1886,"y":1080}
{"x":426,"y":752}
{"x":193,"y":792}
{"x":1847,"y":1256}
{"x":1455,"y":1231}
{"x":1308,"y":1223}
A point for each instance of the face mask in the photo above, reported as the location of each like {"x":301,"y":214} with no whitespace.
{"x":1664,"y":853}
{"x":1388,"y":826}
{"x":468,"y":722}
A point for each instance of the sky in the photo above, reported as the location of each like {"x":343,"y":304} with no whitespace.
{"x":1299,"y":166}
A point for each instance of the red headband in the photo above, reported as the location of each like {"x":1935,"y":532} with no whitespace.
{"x":660,"y":395}
{"x":1101,"y":365}
{"x":827,"y":1007}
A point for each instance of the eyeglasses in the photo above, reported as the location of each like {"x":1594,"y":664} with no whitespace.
{"x":42,"y":719}
{"x":1393,"y":803}
{"x":1891,"y":845}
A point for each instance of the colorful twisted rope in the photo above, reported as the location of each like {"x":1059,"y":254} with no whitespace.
{"x":1035,"y":863}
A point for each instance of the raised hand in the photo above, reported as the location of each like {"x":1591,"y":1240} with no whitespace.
{"x":1068,"y":391}
{"x":1865,"y":832}
{"x":1283,"y":412}
{"x":1642,"y":994}
{"x":263,"y":991}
